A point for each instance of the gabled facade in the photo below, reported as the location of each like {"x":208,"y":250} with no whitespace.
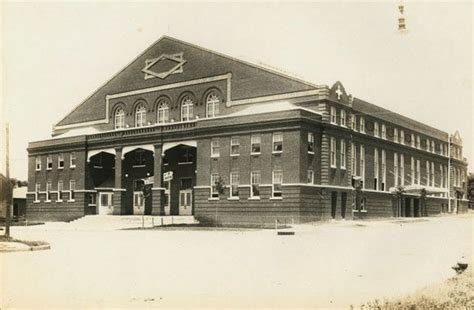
{"x":234,"y":143}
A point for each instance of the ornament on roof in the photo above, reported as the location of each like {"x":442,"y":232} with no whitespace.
{"x":164,"y":65}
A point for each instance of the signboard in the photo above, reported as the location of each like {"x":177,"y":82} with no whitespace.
{"x":168,"y":176}
{"x":148,"y":180}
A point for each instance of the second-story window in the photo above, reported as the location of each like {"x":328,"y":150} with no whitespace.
{"x":212,"y":105}
{"x":412,"y":139}
{"x":119,"y":118}
{"x":343,"y":154}
{"x":433,"y":146}
{"x":376,"y":129}
{"x":215,"y":147}
{"x":255,"y":144}
{"x":187,"y":107}
{"x":163,"y":112}
{"x":333,"y":152}
{"x":140,"y":116}
{"x":310,"y":142}
{"x":38,"y":163}
{"x":343,"y":118}
{"x":277,"y":142}
{"x":234,"y":146}
{"x":362,"y":125}
{"x":72,"y":160}
{"x":139,"y":160}
{"x":402,"y":137}
{"x":418,"y":142}
{"x":49,"y":162}
{"x":61,"y":161}
{"x":354,"y":122}
{"x":395,"y":135}
{"x":333,"y":115}
{"x":384,"y":131}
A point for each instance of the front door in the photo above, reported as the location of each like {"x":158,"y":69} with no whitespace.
{"x":138,"y":203}
{"x":185,"y":202}
{"x":105,"y":204}
{"x":333,"y":204}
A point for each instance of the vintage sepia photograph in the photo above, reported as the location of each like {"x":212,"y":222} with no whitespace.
{"x":236,"y":154}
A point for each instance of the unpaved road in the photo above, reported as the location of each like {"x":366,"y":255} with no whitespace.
{"x":323,"y":265}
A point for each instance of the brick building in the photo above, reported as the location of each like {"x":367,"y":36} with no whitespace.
{"x":186,"y":122}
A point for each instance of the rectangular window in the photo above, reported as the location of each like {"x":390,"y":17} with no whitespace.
{"x":92,"y":199}
{"x":139,"y":159}
{"x":277,"y":180}
{"x":234,"y":184}
{"x":61,"y":161}
{"x":384,"y":171}
{"x":428,"y":173}
{"x":362,"y":124}
{"x":49,"y":162}
{"x":255,"y":144}
{"x":412,"y":171}
{"x":395,"y":169}
{"x":384,"y":131}
{"x":37,"y":190}
{"x":402,"y":137}
{"x":343,"y":118}
{"x":432,"y":174}
{"x":234,"y":146}
{"x":333,"y":116}
{"x":432,"y":146}
{"x":49,"y":187}
{"x":72,"y":160}
{"x":418,"y":142}
{"x":441,"y":173}
{"x":186,"y":157}
{"x":333,"y":152}
{"x":215,"y":147}
{"x":60,"y":190}
{"x":343,"y":154}
{"x":354,"y":159}
{"x":277,"y":142}
{"x":354,"y":122}
{"x":412,"y":143}
{"x":395,"y":135}
{"x":310,"y":142}
{"x":310,"y":179}
{"x":376,"y":169}
{"x":38,"y":163}
{"x":255,"y":184}
{"x":362,"y":164}
{"x":72,"y":188}
{"x":214,"y":179}
{"x":418,"y":172}
{"x":376,"y":129}
{"x":97,"y":161}
{"x":428,"y":145}
{"x":402,"y":170}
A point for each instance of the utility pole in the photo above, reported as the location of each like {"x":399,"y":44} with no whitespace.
{"x":9,"y":186}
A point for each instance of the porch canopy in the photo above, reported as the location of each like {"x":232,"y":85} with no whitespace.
{"x":416,"y":189}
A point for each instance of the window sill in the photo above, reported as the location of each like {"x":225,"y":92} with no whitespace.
{"x":255,"y":154}
{"x":333,"y":123}
{"x":99,"y":167}
{"x":71,"y":200}
{"x":185,"y":163}
{"x":310,"y":153}
{"x":92,"y":205}
{"x":49,"y":169}
{"x":38,"y":170}
{"x":36,"y":201}
{"x":254,"y":198}
{"x":72,"y":167}
{"x":233,"y":198}
{"x":277,"y":152}
{"x":234,"y":155}
{"x":47,"y":201}
{"x":59,"y":200}
{"x":213,"y":198}
{"x":343,"y":168}
{"x":333,"y":167}
{"x":215,"y":156}
{"x":276,"y":198}
{"x":134,"y":166}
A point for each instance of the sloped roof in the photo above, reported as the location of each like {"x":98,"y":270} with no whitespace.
{"x":248,"y":80}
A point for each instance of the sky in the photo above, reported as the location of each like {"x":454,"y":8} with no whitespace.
{"x":56,"y":54}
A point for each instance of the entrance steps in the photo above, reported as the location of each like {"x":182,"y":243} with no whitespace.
{"x":116,"y":222}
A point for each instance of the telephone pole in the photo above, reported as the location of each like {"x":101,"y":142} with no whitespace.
{"x":9,"y":187}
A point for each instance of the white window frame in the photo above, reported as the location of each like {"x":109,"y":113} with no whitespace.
{"x":433,"y":174}
{"x":343,"y":118}
{"x":215,"y":151}
{"x":428,"y":174}
{"x":354,"y":122}
{"x":38,"y":163}
{"x":333,"y":116}
{"x":140,"y":116}
{"x":343,"y":154}
{"x":277,"y":179}
{"x":119,"y":119}
{"x":395,"y":135}
{"x":384,"y":132}
{"x":413,"y":142}
{"x":212,"y":105}
{"x":428,"y":145}
{"x":60,"y":190}
{"x":257,"y":140}
{"x":412,"y":171}
{"x":72,"y":189}
{"x":418,"y":172}
{"x":72,"y":160}
{"x":353,"y":159}
{"x":213,"y":192}
{"x":49,"y":161}
{"x":254,"y":177}
{"x":441,"y":173}
{"x":362,"y":124}
{"x":376,"y":169}
{"x":433,"y":147}
{"x":277,"y":139}
{"x":310,"y":177}
{"x":402,"y":170}
{"x":376,"y":130}
{"x":333,"y":158}
{"x":49,"y":189}
{"x":395,"y":168}
{"x":163,"y":112}
{"x":234,"y":141}
{"x":418,"y":142}
{"x":402,"y":137}
{"x":60,"y":161}
{"x":187,"y":109}
{"x":37,"y":191}
{"x":384,"y":171}
{"x":310,"y":143}
{"x":234,"y":180}
{"x":362,"y":164}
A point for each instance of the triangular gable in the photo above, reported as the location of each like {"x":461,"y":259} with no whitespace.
{"x":172,"y":61}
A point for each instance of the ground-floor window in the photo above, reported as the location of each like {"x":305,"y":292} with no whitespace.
{"x":234,"y":184}
{"x":255,"y":184}
{"x":276,"y":183}
{"x":72,"y":188}
{"x":310,"y":179}
{"x":48,"y":191}
{"x":60,"y":190}
{"x":214,"y":192}
{"x":37,"y":190}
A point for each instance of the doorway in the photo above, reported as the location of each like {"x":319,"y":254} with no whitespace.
{"x":106,"y":204}
{"x":138,"y":203}
{"x":333,"y":204}
{"x":343,"y":204}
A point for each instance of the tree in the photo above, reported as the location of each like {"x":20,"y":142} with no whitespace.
{"x":399,"y":192}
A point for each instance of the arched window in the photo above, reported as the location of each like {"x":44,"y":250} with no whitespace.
{"x":163,"y":112}
{"x":212,"y":105}
{"x":186,"y":109}
{"x":119,"y":118}
{"x":140,"y":116}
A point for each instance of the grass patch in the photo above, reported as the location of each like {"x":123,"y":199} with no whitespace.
{"x":454,"y":293}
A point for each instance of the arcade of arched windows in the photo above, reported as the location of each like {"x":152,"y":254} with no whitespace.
{"x":186,"y":108}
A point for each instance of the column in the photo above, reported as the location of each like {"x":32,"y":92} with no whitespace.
{"x":157,"y":207}
{"x":119,"y":193}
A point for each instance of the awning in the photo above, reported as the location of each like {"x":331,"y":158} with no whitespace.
{"x":95,"y":152}
{"x":416,"y":189}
